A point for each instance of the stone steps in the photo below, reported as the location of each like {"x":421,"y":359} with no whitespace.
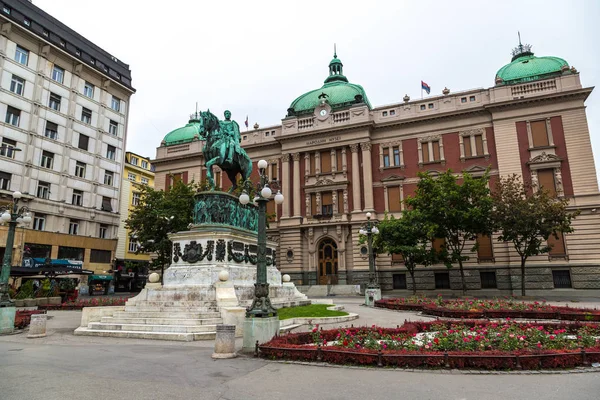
{"x":156,"y":303}
{"x":166,"y":314}
{"x":182,"y":309}
{"x":162,"y":321}
{"x":107,"y":326}
{"x":177,"y":336}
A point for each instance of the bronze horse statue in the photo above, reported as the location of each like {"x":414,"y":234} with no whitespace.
{"x":223,"y":148}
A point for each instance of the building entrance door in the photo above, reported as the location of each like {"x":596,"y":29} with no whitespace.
{"x":328,"y":262}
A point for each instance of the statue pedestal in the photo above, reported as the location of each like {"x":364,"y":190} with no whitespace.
{"x":259,"y":329}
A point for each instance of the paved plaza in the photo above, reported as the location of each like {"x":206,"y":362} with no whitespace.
{"x":63,"y":366}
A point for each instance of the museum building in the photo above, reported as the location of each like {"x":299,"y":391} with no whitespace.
{"x":337,"y":157}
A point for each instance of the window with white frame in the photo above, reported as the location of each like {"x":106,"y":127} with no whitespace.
{"x":103,"y":233}
{"x":133,"y":245}
{"x":54,"y":102}
{"x":115,"y":104}
{"x":135,"y":199}
{"x":396,"y":153}
{"x":47,"y":160}
{"x":17,"y":85}
{"x":88,"y":90}
{"x":39,"y":222}
{"x":43,"y":190}
{"x":21,"y":55}
{"x":134,"y":160}
{"x":58,"y":74}
{"x":73,"y":227}
{"x":51,"y":130}
{"x":113,"y":128}
{"x":430,"y":150}
{"x":5,"y":178}
{"x":86,"y":115}
{"x":386,"y":157}
{"x":80,"y":169}
{"x":144,"y":181}
{"x":473,"y":143}
{"x":540,"y":133}
{"x":13,"y":116}
{"x":132,"y":177}
{"x":144,"y":164}
{"x":108,"y":178}
{"x":8,"y":148}
{"x":77,"y":198}
{"x":111,"y":152}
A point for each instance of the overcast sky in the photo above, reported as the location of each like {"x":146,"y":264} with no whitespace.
{"x":255,"y":57}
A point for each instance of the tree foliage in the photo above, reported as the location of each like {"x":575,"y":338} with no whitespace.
{"x":527,"y":219}
{"x":458,"y":208}
{"x":158,"y":214}
{"x":410,"y":236}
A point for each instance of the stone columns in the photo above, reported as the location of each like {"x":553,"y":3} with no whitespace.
{"x":367,"y":175}
{"x":296,"y":172}
{"x":285,"y":181}
{"x":355,"y":178}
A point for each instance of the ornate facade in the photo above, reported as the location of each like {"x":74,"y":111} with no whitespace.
{"x":338,"y":157}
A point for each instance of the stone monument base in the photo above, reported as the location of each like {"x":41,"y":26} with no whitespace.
{"x":371,"y":296}
{"x":7,"y":320}
{"x":259,"y":329}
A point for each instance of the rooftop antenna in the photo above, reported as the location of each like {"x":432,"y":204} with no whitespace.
{"x":334,"y":51}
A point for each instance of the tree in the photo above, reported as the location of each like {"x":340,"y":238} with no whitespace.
{"x":410,"y":236}
{"x":158,"y":214}
{"x":459,"y":211}
{"x":527,"y":218}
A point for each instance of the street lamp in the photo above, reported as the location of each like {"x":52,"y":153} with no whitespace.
{"x":373,"y":291}
{"x":261,"y":304}
{"x":13,"y":215}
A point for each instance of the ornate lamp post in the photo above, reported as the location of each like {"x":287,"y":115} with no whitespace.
{"x":261,"y":304}
{"x":373,"y":291}
{"x":13,"y":215}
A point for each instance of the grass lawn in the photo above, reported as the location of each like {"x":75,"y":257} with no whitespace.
{"x":311,"y":311}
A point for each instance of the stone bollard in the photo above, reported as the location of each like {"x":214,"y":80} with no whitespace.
{"x":37,"y":327}
{"x":225,"y":342}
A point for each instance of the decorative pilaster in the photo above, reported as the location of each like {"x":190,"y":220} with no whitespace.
{"x":346,"y":201}
{"x":367,"y":175}
{"x":285,"y":181}
{"x":335,"y":202}
{"x":317,"y":163}
{"x":296,"y":172}
{"x":333,"y":162}
{"x":355,"y":178}
{"x":319,"y":208}
{"x":344,"y":166}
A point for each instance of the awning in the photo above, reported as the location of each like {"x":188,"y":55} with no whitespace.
{"x":100,"y":278}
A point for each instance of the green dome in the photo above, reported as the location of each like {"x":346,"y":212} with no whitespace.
{"x":527,"y":67}
{"x":184,"y":134}
{"x":336,"y":91}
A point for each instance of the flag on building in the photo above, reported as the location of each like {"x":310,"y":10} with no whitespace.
{"x":246,"y":121}
{"x":425,"y":87}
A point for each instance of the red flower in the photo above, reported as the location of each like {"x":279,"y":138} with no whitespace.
{"x":436,"y":341}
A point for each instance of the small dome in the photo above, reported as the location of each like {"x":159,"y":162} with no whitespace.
{"x":185,"y":134}
{"x":526,"y":67}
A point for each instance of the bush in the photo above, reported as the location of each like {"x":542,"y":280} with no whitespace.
{"x":25,"y":291}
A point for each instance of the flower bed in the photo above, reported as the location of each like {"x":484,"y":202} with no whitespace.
{"x":446,"y":344}
{"x":489,"y":309}
{"x":23,"y":318}
{"x":93,"y":302}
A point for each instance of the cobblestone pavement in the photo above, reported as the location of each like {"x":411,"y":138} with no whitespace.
{"x":63,"y":366}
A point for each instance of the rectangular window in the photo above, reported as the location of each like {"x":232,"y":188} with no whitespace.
{"x":313,"y":204}
{"x":113,"y":128}
{"x":471,"y":98}
{"x":54,"y":102}
{"x":102,"y":234}
{"x":21,"y":55}
{"x":423,"y":107}
{"x":115,"y":104}
{"x":327,"y":204}
{"x":386,"y":157}
{"x":71,"y":253}
{"x":38,"y":250}
{"x":271,"y":211}
{"x":108,"y":178}
{"x":134,"y":161}
{"x":484,"y":248}
{"x":77,"y":199}
{"x":562,"y":279}
{"x":88,"y":90}
{"x":425,"y":149}
{"x":111,"y":152}
{"x":430,"y":105}
{"x":546,"y":180}
{"x":463,"y":99}
{"x":338,"y":160}
{"x":392,"y":112}
{"x":393,"y":193}
{"x":106,"y":204}
{"x":13,"y":115}
{"x":5,"y":178}
{"x":397,"y":258}
{"x":396,"y":151}
{"x":43,"y":190}
{"x":86,"y":115}
{"x":7,"y":148}
{"x":312,"y":163}
{"x":436,"y":150}
{"x":80,"y":169}
{"x":442,"y":280}
{"x":488,"y":279}
{"x":133,"y":246}
{"x":131,"y":177}
{"x":39,"y":222}
{"x":557,"y":245}
{"x":58,"y":74}
{"x":479,"y":145}
{"x":47,"y":159}
{"x":144,"y":181}
{"x":384,"y":114}
{"x":84,"y":142}
{"x":399,"y":281}
{"x":51,"y":130}
{"x":73,"y":227}
{"x":274,"y":175}
{"x":135,"y":199}
{"x":17,"y":85}
{"x":144,"y":164}
{"x":438,"y":244}
{"x":539,"y":134}
{"x":467,"y":144}
{"x":325,"y":157}
{"x":100,"y":256}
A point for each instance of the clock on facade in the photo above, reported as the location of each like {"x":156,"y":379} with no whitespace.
{"x":323,"y":113}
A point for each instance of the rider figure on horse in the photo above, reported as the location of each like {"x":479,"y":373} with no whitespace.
{"x":231,"y":136}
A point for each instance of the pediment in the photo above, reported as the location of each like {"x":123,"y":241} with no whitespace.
{"x":544,"y":158}
{"x":393,"y":177}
